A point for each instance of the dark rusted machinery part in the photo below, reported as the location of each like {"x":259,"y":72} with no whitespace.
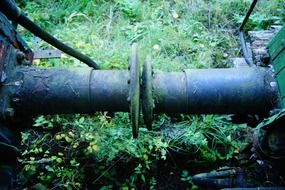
{"x":269,"y":139}
{"x":169,"y":92}
{"x":147,"y":90}
{"x":222,"y":178}
{"x":13,"y":52}
{"x":245,"y":90}
{"x":10,"y":45}
{"x":83,"y":90}
{"x":215,"y":91}
{"x":14,"y":14}
{"x":9,"y":36}
{"x":63,"y":91}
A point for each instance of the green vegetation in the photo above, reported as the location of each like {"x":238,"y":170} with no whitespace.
{"x":97,"y":151}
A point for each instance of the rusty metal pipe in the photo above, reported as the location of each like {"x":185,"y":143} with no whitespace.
{"x":197,"y":91}
{"x":215,"y":91}
{"x":63,"y":91}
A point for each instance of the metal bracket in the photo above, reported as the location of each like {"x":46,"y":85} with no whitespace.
{"x":47,"y":54}
{"x":245,"y":50}
{"x":44,"y":54}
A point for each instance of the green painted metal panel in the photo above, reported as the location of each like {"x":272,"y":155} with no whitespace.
{"x":277,"y":44}
{"x":279,"y":62}
{"x":281,"y":82}
{"x":276,"y":49}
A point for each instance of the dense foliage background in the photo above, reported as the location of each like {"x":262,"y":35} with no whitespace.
{"x":97,"y":151}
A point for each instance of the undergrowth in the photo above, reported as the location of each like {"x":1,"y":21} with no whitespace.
{"x":97,"y":151}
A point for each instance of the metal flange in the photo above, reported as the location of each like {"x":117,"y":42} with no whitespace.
{"x":268,"y":139}
{"x":147,"y":100}
{"x":134,"y":94}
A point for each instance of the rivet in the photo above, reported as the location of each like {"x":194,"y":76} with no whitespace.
{"x":273,"y":84}
{"x":16,"y":100}
{"x":20,"y":56}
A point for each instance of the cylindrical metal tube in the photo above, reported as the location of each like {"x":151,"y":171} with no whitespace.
{"x":170,"y":92}
{"x":61,"y":91}
{"x":215,"y":91}
{"x":197,"y":91}
{"x":109,"y":90}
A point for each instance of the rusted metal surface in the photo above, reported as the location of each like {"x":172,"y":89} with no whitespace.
{"x":269,"y":139}
{"x":222,"y":178}
{"x":9,"y":34}
{"x":215,"y":91}
{"x":83,"y":90}
{"x":170,"y":92}
{"x":62,"y":91}
{"x":3,"y":55}
{"x":225,"y":91}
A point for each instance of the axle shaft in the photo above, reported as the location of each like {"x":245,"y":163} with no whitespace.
{"x":248,"y":90}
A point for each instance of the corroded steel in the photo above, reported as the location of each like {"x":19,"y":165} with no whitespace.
{"x":269,"y":139}
{"x":245,"y":90}
{"x":63,"y":91}
{"x":11,"y":37}
{"x":215,"y":91}
{"x":222,"y":178}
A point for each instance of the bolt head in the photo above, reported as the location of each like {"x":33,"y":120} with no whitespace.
{"x":265,"y":59}
{"x":20,"y":56}
{"x":27,"y":63}
{"x":16,"y":100}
